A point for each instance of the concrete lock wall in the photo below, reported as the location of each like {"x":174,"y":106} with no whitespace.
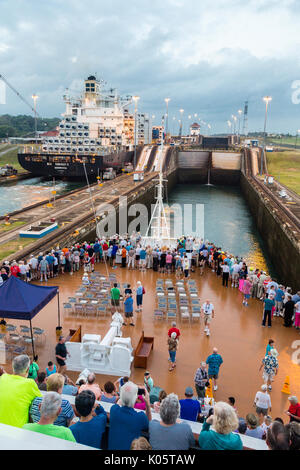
{"x":283,"y":251}
{"x":225,"y":168}
{"x":193,"y":167}
{"x":209,"y":167}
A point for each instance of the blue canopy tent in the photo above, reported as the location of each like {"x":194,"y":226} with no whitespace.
{"x":22,"y":301}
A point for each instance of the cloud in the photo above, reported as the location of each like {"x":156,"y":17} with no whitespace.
{"x":208,"y":57}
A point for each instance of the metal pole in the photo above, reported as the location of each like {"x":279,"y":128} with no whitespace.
{"x":167,"y":118}
{"x":134,"y":161}
{"x":32,"y":341}
{"x":58,"y":308}
{"x":264,"y":146}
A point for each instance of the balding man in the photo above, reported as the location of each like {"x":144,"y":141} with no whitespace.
{"x":91,"y":385}
{"x":214,"y":362}
{"x":209,"y":313}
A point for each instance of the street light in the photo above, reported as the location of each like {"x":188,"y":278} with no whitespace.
{"x":167,"y":117}
{"x":35,"y":97}
{"x":135,"y":99}
{"x":266,"y":99}
{"x":240,"y":111}
{"x":234,"y":122}
{"x":297,"y":138}
{"x":180,"y":130}
{"x":229,"y":123}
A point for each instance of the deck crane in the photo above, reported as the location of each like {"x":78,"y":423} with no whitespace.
{"x":19,"y":95}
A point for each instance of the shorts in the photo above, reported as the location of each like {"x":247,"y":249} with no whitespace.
{"x":115,"y":302}
{"x":186,"y":273}
{"x":137,"y":257}
{"x":142,"y":262}
{"x":263,"y":411}
{"x":207,"y":318}
{"x":247,"y":296}
{"x":169,"y":265}
{"x":128,"y":314}
{"x":268,"y":377}
{"x":60,"y":362}
{"x":213,"y":376}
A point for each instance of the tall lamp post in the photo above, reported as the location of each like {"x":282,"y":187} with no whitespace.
{"x":180,"y":130}
{"x":229,"y":123}
{"x":297,"y":138}
{"x":135,"y":99}
{"x":167,"y":116}
{"x":266,"y":99}
{"x":240,"y":112}
{"x":35,"y":97}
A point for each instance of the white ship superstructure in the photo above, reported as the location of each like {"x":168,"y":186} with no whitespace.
{"x":93,"y":123}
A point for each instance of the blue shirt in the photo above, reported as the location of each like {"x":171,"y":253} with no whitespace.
{"x":128,"y":305}
{"x":69,"y":390}
{"x":65,"y":415}
{"x":90,"y":433}
{"x":269,"y":304}
{"x":96,"y":247}
{"x":50,"y":372}
{"x":279,"y":295}
{"x":214,"y":361}
{"x":114,"y":249}
{"x":139,"y":290}
{"x":126,"y":424}
{"x":189,"y":409}
{"x":143,"y":254}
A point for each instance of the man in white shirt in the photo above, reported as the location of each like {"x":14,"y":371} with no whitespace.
{"x":33,"y":263}
{"x":235,"y":274}
{"x":209,"y":313}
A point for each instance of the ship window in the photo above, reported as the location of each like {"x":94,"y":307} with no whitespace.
{"x":68,"y":119}
{"x":74,"y":111}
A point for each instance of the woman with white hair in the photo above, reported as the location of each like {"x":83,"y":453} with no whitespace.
{"x":172,"y":345}
{"x":139,"y":296}
{"x":168,"y":433}
{"x":262,"y":401}
{"x":294,"y":409}
{"x":127,"y":424}
{"x":217,"y":431}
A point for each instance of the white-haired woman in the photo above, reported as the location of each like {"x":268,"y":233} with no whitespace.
{"x":221,"y":437}
{"x":262,"y":401}
{"x":139,"y":296}
{"x":172,"y":345}
{"x":168,"y":433}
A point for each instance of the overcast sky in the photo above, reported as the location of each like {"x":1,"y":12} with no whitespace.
{"x":207,"y":56}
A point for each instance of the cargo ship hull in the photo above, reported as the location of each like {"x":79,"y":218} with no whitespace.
{"x":71,"y":166}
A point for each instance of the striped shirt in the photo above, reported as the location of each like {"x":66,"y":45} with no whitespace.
{"x":65,"y":415}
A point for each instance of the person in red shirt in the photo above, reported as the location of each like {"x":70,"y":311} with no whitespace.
{"x":171,"y":330}
{"x":14,"y":269}
{"x":294,"y":409}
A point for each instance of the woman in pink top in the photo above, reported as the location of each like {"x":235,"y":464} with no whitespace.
{"x":169,"y":260}
{"x":246,"y":290}
{"x":140,"y":403}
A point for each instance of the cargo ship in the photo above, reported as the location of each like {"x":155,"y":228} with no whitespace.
{"x":95,"y":133}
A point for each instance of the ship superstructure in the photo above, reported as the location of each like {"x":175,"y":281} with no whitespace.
{"x":92,"y":123}
{"x":96,"y":132}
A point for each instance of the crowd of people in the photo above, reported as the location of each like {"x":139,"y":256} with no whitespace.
{"x":189,"y":254}
{"x":162,"y":425}
{"x":141,"y":416}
